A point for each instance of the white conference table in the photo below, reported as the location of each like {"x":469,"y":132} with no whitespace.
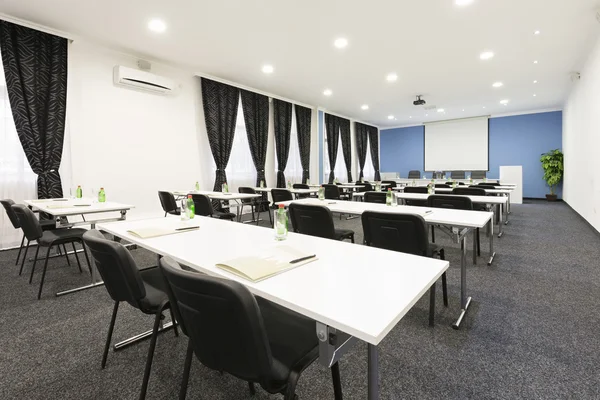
{"x":220,"y":196}
{"x":455,"y":223}
{"x":349,"y":290}
{"x":60,"y":209}
{"x":293,"y":191}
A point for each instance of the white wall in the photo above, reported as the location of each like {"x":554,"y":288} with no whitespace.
{"x":130,"y":142}
{"x":581,"y":142}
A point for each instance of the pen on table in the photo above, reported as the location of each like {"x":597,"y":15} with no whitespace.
{"x":189,"y":228}
{"x":297,"y":260}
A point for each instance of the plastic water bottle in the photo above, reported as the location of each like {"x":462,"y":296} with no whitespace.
{"x":191,"y":208}
{"x":184,"y":210}
{"x":224,"y":188}
{"x":101,"y":196}
{"x":389,"y":197}
{"x":321,"y":193}
{"x":262,"y":183}
{"x":197,"y":187}
{"x":289,"y":185}
{"x":281,"y":223}
{"x":79,"y":192}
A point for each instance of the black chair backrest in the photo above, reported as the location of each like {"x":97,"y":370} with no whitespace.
{"x":119,"y":271}
{"x":486,"y":186}
{"x":7,"y":203}
{"x":281,"y":195}
{"x":247,"y":190}
{"x":442,"y":185}
{"x":313,"y":220}
{"x":167,"y":201}
{"x":415,"y":189}
{"x":406,"y":233}
{"x":300,"y":186}
{"x":366,"y":186}
{"x":223,"y":323}
{"x":332,"y":192}
{"x":457,"y":174}
{"x":414,"y":174}
{"x":469,"y":191}
{"x":202,"y":205}
{"x":375,"y":197}
{"x":29,"y":223}
{"x":478,"y":174}
{"x":452,"y":201}
{"x":392,"y":184}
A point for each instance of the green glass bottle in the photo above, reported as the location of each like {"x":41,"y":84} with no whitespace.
{"x":79,"y":192}
{"x":191,"y":208}
{"x":101,"y":196}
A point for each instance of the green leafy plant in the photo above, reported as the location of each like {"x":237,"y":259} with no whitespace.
{"x":552,"y":163}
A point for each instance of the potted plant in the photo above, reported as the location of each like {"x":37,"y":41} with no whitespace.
{"x":552,"y":163}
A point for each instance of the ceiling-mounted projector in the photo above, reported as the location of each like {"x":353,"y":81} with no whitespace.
{"x":419,"y":101}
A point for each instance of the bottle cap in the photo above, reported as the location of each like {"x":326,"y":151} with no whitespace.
{"x":281,"y":206}
{"x":101,"y":188}
{"x":189,"y":196}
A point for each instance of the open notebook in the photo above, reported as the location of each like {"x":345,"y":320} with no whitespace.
{"x":274,"y":261}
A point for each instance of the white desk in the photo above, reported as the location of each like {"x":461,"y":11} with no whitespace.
{"x":362,"y":291}
{"x":229,"y":196}
{"x":293,"y":191}
{"x":60,"y":208}
{"x":460,"y":223}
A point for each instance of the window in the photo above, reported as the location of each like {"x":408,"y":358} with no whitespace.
{"x":293,"y":169}
{"x":17,"y":180}
{"x":340,"y":166}
{"x":240,"y":169}
{"x":369,"y":170}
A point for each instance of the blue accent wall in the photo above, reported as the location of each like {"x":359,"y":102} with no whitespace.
{"x":514,"y":140}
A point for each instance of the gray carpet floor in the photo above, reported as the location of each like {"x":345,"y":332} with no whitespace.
{"x":531,"y":332}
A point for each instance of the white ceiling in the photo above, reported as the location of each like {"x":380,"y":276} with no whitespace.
{"x":432,"y":45}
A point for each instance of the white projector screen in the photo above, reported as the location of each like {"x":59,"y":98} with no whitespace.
{"x":460,"y":145}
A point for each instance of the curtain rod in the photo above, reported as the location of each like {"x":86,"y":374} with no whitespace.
{"x":35,"y":26}
{"x":240,"y":86}
{"x":350,"y":118}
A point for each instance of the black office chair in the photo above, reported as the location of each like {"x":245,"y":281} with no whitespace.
{"x":375,"y":197}
{"x":478,"y":174}
{"x":392,"y":184}
{"x":443,"y":186}
{"x":405,"y":233}
{"x":168,"y":203}
{"x":414,"y":174}
{"x":316,"y":220}
{"x":485,"y":186}
{"x":57,"y":237}
{"x":203,"y":206}
{"x":142,"y":289}
{"x":256,"y":204}
{"x":301,"y":186}
{"x":366,"y":186}
{"x":457,"y":174}
{"x":253,"y":339}
{"x":455,"y":202}
{"x":332,"y":192}
{"x":415,"y":189}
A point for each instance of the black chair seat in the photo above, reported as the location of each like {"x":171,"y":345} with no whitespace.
{"x":47,"y":224}
{"x":59,"y":236}
{"x":156,"y":295}
{"x":223,"y":215}
{"x":341,"y":234}
{"x":175,"y":212}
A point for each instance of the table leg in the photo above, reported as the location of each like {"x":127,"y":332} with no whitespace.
{"x":508,"y":207}
{"x":373,"y":378}
{"x":464,"y":300}
{"x":492,"y":252}
{"x":500,"y":223}
{"x":474,"y":246}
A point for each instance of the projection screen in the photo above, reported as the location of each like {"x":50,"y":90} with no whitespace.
{"x":459,"y":145}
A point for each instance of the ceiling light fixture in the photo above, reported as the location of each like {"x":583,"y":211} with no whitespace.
{"x":364,"y":107}
{"x":327,"y":92}
{"x":410,"y":117}
{"x":392,"y":77}
{"x":268,"y":69}
{"x":534,"y":81}
{"x":157,"y":25}
{"x":536,"y":32}
{"x":427,"y":115}
{"x":504,"y":102}
{"x":440,"y":110}
{"x":535,"y":95}
{"x":535,"y":62}
{"x":340,"y":43}
{"x":498,"y":84}
{"x":390,"y":117}
{"x":462,"y":3}
{"x":486,"y":55}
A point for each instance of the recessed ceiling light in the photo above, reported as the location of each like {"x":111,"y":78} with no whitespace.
{"x":157,"y":25}
{"x":427,"y":115}
{"x":498,"y":84}
{"x":410,"y":117}
{"x":536,"y":32}
{"x":393,"y":77}
{"x":504,"y":102}
{"x":390,"y":117}
{"x":327,"y":92}
{"x":340,"y":43}
{"x":364,"y":107}
{"x":534,"y":81}
{"x":440,"y":110}
{"x":535,"y":62}
{"x":486,"y":55}
{"x":268,"y":69}
{"x":462,"y":3}
{"x":535,"y":95}
{"x":483,"y":106}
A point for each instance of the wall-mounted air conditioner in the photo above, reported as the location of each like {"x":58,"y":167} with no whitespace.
{"x":143,"y":80}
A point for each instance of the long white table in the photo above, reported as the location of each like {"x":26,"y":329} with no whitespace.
{"x":349,"y":290}
{"x":293,"y":191}
{"x":456,"y":223}
{"x":220,"y":196}
{"x":61,"y":209}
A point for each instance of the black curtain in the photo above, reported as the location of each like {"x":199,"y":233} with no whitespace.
{"x":35,"y":67}
{"x":303,"y":125}
{"x":256,"y":116}
{"x":282,"y":111}
{"x":346,"y":145}
{"x":220,"y":103}
{"x":374,"y":140}
{"x":361,"y":146}
{"x":333,"y":135}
